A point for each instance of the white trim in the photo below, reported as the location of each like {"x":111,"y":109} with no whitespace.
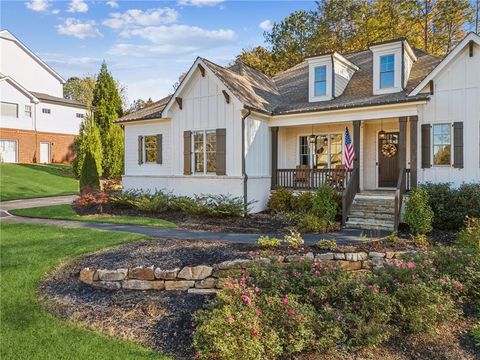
{"x":138,"y":122}
{"x":7,"y":35}
{"x":450,"y":127}
{"x":16,"y":149}
{"x":470,"y":37}
{"x":20,"y":88}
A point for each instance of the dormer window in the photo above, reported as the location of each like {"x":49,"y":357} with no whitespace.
{"x":321,"y":80}
{"x":387,"y":71}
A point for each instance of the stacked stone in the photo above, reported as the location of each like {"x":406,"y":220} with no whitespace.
{"x":206,"y":279}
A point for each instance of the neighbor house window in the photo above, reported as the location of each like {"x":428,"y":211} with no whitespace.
{"x":321,"y":80}
{"x":80,"y":115}
{"x":204,"y":151}
{"x":442,"y":144}
{"x":387,"y":73}
{"x":28,"y":110}
{"x":46,"y":111}
{"x":9,"y":109}
{"x":328,"y":151}
{"x":151,"y":149}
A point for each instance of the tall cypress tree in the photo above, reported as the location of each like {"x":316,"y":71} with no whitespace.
{"x":107,"y":105}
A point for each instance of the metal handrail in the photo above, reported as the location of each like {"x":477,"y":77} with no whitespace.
{"x":349,"y":193}
{"x":399,"y":192}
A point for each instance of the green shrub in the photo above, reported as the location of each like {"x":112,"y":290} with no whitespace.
{"x":325,"y":244}
{"x":125,"y":199}
{"x":451,"y":206}
{"x":158,"y":202}
{"x":469,"y":237}
{"x":113,"y":153}
{"x":420,"y":240}
{"x":421,"y":308}
{"x":393,"y":237}
{"x":89,"y":178}
{"x":280,"y":201}
{"x":88,"y":140}
{"x":312,"y":223}
{"x":325,"y":203}
{"x":476,"y":334}
{"x":418,"y":214}
{"x":302,"y":202}
{"x":268,"y":242}
{"x":294,"y":240}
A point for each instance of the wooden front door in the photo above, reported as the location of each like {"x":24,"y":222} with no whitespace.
{"x":388,"y":160}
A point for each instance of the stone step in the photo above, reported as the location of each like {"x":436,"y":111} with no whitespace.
{"x":373,"y":209}
{"x":356,"y":223}
{"x":372,"y":215}
{"x":374,"y":202}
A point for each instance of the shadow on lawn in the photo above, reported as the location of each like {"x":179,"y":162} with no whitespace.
{"x":62,"y":170}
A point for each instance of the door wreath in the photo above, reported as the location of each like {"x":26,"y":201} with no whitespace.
{"x":389,"y":150}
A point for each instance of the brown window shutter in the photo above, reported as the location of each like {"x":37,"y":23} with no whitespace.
{"x":221,"y":152}
{"x":159,"y":149}
{"x":458,"y":145}
{"x":140,"y":150}
{"x":187,"y":152}
{"x":426,"y":148}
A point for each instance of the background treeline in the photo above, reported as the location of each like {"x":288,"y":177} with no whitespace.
{"x":434,"y":26}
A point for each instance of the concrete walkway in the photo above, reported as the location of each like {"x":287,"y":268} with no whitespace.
{"x":344,"y":237}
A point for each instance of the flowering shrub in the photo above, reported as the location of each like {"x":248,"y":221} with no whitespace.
{"x":317,"y":306}
{"x":294,"y":240}
{"x":268,"y":242}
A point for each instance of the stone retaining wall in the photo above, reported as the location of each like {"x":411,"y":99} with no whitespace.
{"x":206,"y":279}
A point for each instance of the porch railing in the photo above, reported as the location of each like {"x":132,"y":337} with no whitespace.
{"x":311,"y":179}
{"x":403,"y":185}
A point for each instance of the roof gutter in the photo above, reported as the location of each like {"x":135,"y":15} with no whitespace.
{"x":244,"y":171}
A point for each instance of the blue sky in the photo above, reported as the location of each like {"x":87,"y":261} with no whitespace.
{"x":147,"y":44}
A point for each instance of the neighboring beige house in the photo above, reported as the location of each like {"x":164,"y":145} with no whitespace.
{"x":413,"y":118}
{"x":36,"y":123}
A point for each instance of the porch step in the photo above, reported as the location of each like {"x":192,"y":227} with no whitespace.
{"x":372,"y":210}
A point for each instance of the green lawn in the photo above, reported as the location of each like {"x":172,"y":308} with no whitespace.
{"x":27,"y":330}
{"x":24,"y":181}
{"x":65,"y":212}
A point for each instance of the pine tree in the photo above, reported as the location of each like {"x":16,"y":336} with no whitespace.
{"x":113,"y":159}
{"x":89,"y":178}
{"x":107,"y":104}
{"x":89,"y":140}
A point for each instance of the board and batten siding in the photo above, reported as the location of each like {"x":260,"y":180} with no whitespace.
{"x":204,"y":108}
{"x":132,"y":132}
{"x":456,"y":98}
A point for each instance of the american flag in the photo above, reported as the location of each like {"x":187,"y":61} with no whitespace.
{"x":349,"y":152}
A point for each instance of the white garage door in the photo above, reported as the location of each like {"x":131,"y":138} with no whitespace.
{"x":8,"y":151}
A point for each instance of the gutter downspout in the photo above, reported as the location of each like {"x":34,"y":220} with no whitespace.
{"x":244,"y":172}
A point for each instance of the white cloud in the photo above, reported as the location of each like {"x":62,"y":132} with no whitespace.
{"x":266,"y":25}
{"x":113,"y":4}
{"x":79,"y":6}
{"x":81,"y":30}
{"x":38,"y":5}
{"x":199,"y":3}
{"x":135,"y":17}
{"x":55,"y":11}
{"x":182,"y":34}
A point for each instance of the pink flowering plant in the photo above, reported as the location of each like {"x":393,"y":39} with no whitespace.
{"x":277,"y":311}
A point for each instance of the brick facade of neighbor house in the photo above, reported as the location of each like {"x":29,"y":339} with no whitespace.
{"x":28,"y":145}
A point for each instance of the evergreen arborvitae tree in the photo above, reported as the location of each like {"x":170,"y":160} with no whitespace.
{"x":113,"y":158}
{"x":89,"y":178}
{"x":88,"y":141}
{"x":107,"y":105}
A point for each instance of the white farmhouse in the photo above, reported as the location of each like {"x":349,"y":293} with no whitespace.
{"x":36,"y":123}
{"x":412,"y":118}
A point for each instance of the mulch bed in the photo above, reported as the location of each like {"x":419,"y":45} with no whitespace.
{"x":163,"y":320}
{"x":253,"y":223}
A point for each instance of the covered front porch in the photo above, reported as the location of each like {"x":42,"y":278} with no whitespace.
{"x":307,"y":156}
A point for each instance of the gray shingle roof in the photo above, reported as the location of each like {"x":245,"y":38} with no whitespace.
{"x":287,"y":92}
{"x":153,"y":111}
{"x":58,"y":100}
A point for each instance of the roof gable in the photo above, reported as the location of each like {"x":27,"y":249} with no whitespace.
{"x":446,"y":60}
{"x":5,"y":34}
{"x":20,"y":88}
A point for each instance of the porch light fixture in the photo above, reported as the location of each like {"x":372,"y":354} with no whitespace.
{"x":382,"y":134}
{"x":312,"y":139}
